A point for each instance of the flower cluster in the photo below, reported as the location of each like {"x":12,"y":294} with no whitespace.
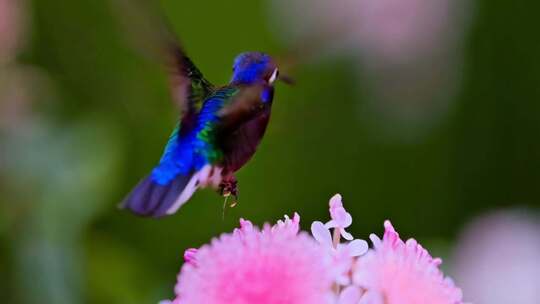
{"x":279,"y":264}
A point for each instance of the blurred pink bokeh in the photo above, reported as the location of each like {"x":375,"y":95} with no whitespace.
{"x":407,"y":51}
{"x":12,"y":25}
{"x":20,"y":85}
{"x":497,"y":258}
{"x":393,"y":29}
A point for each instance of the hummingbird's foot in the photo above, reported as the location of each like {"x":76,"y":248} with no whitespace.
{"x":229,"y":187}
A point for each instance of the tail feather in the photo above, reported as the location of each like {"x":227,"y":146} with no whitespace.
{"x":151,"y":199}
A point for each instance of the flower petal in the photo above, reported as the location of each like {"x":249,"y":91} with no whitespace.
{"x":190,"y":256}
{"x":331,"y":224}
{"x":335,"y":201}
{"x":346,"y":235}
{"x":245,"y":225}
{"x":375,"y":240}
{"x":371,"y":297}
{"x":350,"y":295}
{"x":321,"y":234}
{"x":357,"y":248}
{"x":341,"y":217}
{"x":288,"y":225}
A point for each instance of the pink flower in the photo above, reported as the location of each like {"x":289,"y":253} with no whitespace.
{"x":275,"y":265}
{"x":395,"y":272}
{"x":279,"y":265}
{"x":290,"y":226}
{"x":341,"y":219}
{"x":342,"y":255}
{"x":189,"y":256}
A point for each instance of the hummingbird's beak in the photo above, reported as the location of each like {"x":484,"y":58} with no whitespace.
{"x":286,"y":79}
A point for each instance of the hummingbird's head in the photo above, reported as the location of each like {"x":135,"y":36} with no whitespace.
{"x":254,"y":67}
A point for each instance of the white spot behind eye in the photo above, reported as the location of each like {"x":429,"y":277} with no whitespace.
{"x":273,"y":76}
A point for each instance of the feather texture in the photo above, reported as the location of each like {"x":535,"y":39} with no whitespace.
{"x":218,"y":132}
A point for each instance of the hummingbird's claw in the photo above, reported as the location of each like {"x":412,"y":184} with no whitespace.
{"x":227,"y":188}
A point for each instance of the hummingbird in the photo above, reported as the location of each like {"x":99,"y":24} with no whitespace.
{"x":218,"y":131}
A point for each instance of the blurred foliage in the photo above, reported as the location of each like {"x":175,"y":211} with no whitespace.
{"x":108,"y":115}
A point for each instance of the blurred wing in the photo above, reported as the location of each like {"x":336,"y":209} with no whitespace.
{"x":188,"y":85}
{"x":147,"y":30}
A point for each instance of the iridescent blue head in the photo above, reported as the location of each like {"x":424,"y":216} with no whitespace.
{"x":254,"y":67}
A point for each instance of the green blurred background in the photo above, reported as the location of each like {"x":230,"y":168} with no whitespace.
{"x":95,"y":115}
